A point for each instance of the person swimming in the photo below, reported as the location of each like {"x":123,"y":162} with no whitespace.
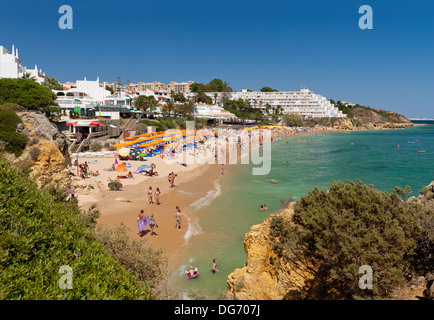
{"x":214,"y":266}
{"x":192,"y":271}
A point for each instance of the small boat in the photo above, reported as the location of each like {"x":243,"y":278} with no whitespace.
{"x":421,"y":151}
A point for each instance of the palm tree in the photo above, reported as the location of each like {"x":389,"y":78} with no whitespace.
{"x":145,"y":102}
{"x":29,"y":76}
{"x":169,"y":107}
{"x":52,"y":83}
{"x":188,"y":107}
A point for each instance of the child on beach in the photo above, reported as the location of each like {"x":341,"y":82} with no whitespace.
{"x":214,"y":266}
{"x":152,"y":224}
{"x":178,"y":218}
{"x":192,"y":271}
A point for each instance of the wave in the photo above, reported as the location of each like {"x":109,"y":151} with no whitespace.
{"x":193,"y":229}
{"x":205,"y":200}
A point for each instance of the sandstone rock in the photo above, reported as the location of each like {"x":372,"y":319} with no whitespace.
{"x":264,"y":276}
{"x":36,"y":124}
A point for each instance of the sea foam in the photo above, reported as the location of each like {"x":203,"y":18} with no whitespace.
{"x":205,"y":200}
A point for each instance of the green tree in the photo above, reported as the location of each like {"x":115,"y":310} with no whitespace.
{"x":110,"y":89}
{"x":215,"y":85}
{"x":41,"y":230}
{"x":268,"y":89}
{"x":26,"y":93}
{"x":10,"y":140}
{"x":145,"y":102}
{"x":292,"y":120}
{"x":28,"y":75}
{"x":336,"y":231}
{"x":52,"y":83}
{"x":169,"y":107}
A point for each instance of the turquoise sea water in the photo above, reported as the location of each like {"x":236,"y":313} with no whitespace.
{"x":371,"y":156}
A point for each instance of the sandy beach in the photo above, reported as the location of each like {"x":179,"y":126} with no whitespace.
{"x":123,"y":206}
{"x":192,"y":184}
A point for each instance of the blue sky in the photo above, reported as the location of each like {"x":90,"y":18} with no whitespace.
{"x":285,"y":44}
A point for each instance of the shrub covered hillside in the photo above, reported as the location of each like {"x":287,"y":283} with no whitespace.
{"x":40,"y":231}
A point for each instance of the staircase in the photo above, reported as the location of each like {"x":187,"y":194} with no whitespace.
{"x":131,"y":123}
{"x":85,"y":143}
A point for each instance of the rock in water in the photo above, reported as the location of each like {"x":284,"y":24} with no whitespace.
{"x":273,"y":181}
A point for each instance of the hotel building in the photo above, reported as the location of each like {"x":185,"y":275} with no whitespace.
{"x":303,"y":102}
{"x":183,"y":87}
{"x":11,"y":67}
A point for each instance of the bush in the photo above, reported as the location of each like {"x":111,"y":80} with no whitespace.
{"x":167,"y":123}
{"x":334,"y":232}
{"x":286,"y":201}
{"x":181,"y":123}
{"x":26,"y":93}
{"x":34,"y":153}
{"x":33,"y":141}
{"x":145,"y":263}
{"x":13,"y":141}
{"x":160,"y":127}
{"x":95,"y":146}
{"x":15,"y":107}
{"x":141,"y":128}
{"x":40,"y":231}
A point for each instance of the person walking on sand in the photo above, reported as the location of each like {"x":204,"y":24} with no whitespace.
{"x":140,"y":217}
{"x":157,"y":195}
{"x":173,"y":180}
{"x":169,"y":178}
{"x":150,"y":195}
{"x":152,"y":224}
{"x":178,"y":218}
{"x":223,"y":169}
{"x":214,"y":266}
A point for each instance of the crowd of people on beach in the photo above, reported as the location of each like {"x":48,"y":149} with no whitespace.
{"x":235,"y":139}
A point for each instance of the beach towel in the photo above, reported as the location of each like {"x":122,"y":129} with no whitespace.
{"x":141,"y":224}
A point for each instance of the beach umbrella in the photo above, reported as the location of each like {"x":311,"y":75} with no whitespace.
{"x":121,"y":168}
{"x":115,"y":185}
{"x":69,"y":191}
{"x":124,"y":152}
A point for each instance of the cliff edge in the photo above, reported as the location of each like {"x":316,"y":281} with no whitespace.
{"x":264,"y":276}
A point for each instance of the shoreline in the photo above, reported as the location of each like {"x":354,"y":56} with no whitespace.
{"x":192,"y":184}
{"x":133,"y":198}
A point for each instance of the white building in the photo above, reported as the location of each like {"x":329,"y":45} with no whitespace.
{"x":82,"y":98}
{"x":11,"y":67}
{"x":212,"y":111}
{"x":303,"y":102}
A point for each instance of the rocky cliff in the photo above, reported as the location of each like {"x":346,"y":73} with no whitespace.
{"x":363,"y":118}
{"x":48,"y":155}
{"x":46,"y":151}
{"x":264,"y":276}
